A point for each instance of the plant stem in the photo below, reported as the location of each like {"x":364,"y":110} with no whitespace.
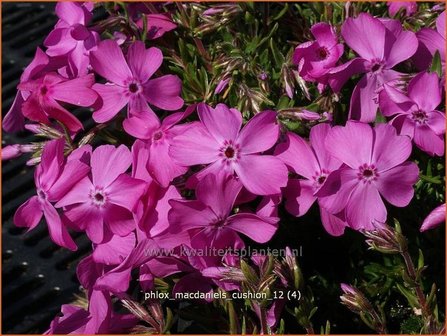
{"x":310,"y":329}
{"x":264,"y":329}
{"x":426,"y":313}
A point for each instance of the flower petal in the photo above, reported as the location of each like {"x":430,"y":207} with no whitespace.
{"x":194,"y":146}
{"x":108,"y":163}
{"x":108,"y":61}
{"x":344,"y":143}
{"x":222,"y":123}
{"x":404,"y":44}
{"x":436,"y":121}
{"x":339,"y":75}
{"x":396,"y":184}
{"x":389,"y":149}
{"x":299,"y":196}
{"x":144,"y":62}
{"x":78,"y":194}
{"x":28,"y":214}
{"x":336,"y":191}
{"x":252,"y":226}
{"x":219,"y":193}
{"x":262,"y":174}
{"x":112,"y":100}
{"x":424,"y":89}
{"x":58,"y":232}
{"x":76,"y":91}
{"x":186,"y":215}
{"x":434,"y":219}
{"x":363,"y":105}
{"x":125,"y":191}
{"x":260,"y":133}
{"x":119,"y":220}
{"x":73,"y":172}
{"x":333,"y":225}
{"x":429,"y":141}
{"x":161,"y":166}
{"x":114,"y":251}
{"x":297,"y":154}
{"x":365,"y":207}
{"x":366,"y":35}
{"x":164,"y":92}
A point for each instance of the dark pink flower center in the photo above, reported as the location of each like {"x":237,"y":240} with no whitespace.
{"x":133,"y":87}
{"x":41,"y":195}
{"x":376,"y":66}
{"x":229,"y":151}
{"x":322,"y":53}
{"x":368,"y":173}
{"x":219,"y":222}
{"x":320,"y":177}
{"x":157,"y":135}
{"x":43,"y":90}
{"x":419,"y":116}
{"x":98,"y":197}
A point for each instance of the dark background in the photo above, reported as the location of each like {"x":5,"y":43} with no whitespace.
{"x":38,"y":276}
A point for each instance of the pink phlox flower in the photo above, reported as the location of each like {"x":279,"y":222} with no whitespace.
{"x":415,"y":113}
{"x":219,"y":142}
{"x":71,"y":38}
{"x":313,"y":163}
{"x":130,"y":82}
{"x":209,"y":221}
{"x":105,"y":200}
{"x":54,"y":177}
{"x":14,"y":120}
{"x":316,"y":58}
{"x":375,"y":166}
{"x":159,"y":137}
{"x":49,"y":90}
{"x":380,"y":44}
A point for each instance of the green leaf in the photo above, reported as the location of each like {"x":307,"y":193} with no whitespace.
{"x":277,"y":56}
{"x":412,"y":300}
{"x":420,"y":260}
{"x":436,"y":65}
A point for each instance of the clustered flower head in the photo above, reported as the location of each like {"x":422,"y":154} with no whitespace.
{"x":188,"y":177}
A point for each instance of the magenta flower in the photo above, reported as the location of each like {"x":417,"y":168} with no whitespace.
{"x":41,"y":64}
{"x":434,"y":219}
{"x":104,"y":202}
{"x":48,"y":91}
{"x":53,"y":179}
{"x":381,"y":44}
{"x":117,"y":279}
{"x":430,"y":41}
{"x":209,"y":221}
{"x":217,"y":140}
{"x":99,"y":319}
{"x":314,"y":59}
{"x":375,"y":166}
{"x":157,"y":25}
{"x":159,"y":138}
{"x":313,"y":162}
{"x":71,"y":37}
{"x":416,"y":114}
{"x":408,"y":7}
{"x":130,"y":81}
